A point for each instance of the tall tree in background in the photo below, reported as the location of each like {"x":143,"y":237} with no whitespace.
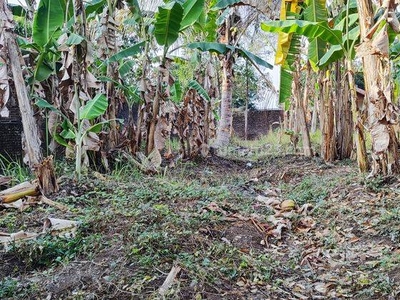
{"x":227,"y":36}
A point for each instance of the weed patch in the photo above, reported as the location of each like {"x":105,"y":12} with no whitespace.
{"x":311,"y":189}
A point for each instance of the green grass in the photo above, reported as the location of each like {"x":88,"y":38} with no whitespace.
{"x":311,"y":189}
{"x":50,"y":250}
{"x":275,"y":143}
{"x":139,"y":226}
{"x":14,"y":169}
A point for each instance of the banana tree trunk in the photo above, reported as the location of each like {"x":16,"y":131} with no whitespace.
{"x":343,"y":115}
{"x":32,"y":140}
{"x":154,"y":118}
{"x":378,"y":88}
{"x":359,"y":117}
{"x":301,"y":113}
{"x":314,"y":117}
{"x":112,"y":72}
{"x":112,"y":139}
{"x":225,"y":122}
{"x":43,"y":169}
{"x":328,"y":148}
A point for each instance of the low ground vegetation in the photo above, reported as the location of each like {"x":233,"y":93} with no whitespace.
{"x":251,"y":226}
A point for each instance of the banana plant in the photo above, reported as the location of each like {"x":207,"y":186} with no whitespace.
{"x":47,"y":24}
{"x":78,"y":133}
{"x":171,"y":19}
{"x":315,"y":27}
{"x":340,"y":40}
{"x":228,"y":51}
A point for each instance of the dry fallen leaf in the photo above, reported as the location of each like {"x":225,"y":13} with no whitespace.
{"x":288,"y":205}
{"x":270,"y":201}
{"x":60,"y":227}
{"x":8,"y":238}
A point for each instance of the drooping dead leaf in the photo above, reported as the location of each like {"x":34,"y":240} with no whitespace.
{"x":379,"y":45}
{"x":194,"y":125}
{"x":380,"y":137}
{"x":393,"y":21}
{"x":150,"y":164}
{"x":92,"y":81}
{"x":163,"y":128}
{"x":380,"y":42}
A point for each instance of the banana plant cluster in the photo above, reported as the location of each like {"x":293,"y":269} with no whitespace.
{"x":76,"y":81}
{"x":336,"y":41}
{"x":80,"y":74}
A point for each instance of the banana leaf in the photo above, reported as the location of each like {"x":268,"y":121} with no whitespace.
{"x":192,"y":10}
{"x":94,"y":108}
{"x":168,"y":23}
{"x":47,"y":21}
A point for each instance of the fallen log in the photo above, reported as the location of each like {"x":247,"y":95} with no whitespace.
{"x":19,"y":191}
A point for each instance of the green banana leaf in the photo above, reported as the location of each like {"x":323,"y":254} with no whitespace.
{"x":74,"y":39}
{"x":43,"y":69}
{"x":125,"y":68}
{"x":343,"y":23}
{"x":17,"y":10}
{"x":309,"y":29}
{"x":254,"y":58}
{"x":68,"y":131}
{"x":131,"y":51}
{"x":176,"y":92}
{"x":211,"y":27}
{"x":336,"y":52}
{"x":94,"y":7}
{"x":94,"y":108}
{"x":192,"y":10}
{"x":223,"y":48}
{"x":316,"y":12}
{"x":168,"y":23}
{"x":42,"y":103}
{"x":286,"y":78}
{"x":211,"y":47}
{"x":134,"y":7}
{"x":194,"y":84}
{"x":47,"y":21}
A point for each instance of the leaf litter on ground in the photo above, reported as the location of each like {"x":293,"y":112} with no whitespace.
{"x":293,"y":229}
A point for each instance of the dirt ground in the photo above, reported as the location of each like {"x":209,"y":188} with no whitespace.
{"x":284,"y":228}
